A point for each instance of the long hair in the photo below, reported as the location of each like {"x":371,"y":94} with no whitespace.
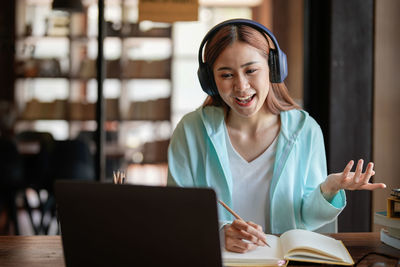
{"x":278,"y":98}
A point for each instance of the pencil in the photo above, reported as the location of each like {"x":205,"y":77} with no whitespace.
{"x":236,"y":216}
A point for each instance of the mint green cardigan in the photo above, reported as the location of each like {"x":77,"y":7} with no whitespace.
{"x":197,"y":157}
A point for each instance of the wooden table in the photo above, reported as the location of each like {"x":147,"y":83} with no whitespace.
{"x":44,"y":251}
{"x":31,"y":251}
{"x":360,"y":244}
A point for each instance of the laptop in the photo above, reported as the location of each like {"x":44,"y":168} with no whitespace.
{"x":133,"y":225}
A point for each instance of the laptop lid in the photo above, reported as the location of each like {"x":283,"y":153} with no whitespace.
{"x":133,"y":225}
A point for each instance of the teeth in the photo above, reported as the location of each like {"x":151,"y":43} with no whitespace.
{"x":244,"y":99}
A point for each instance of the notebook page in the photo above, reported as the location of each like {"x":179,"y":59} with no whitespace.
{"x":327,"y":246}
{"x":269,"y":255}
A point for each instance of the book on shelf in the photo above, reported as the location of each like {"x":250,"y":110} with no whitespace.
{"x":156,"y":109}
{"x":293,"y":245}
{"x":381,"y":218}
{"x":390,"y":233}
{"x":390,"y":240}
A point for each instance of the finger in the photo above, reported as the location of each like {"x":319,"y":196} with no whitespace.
{"x":256,"y":234}
{"x":257,"y":226}
{"x":373,"y":186}
{"x":246,"y":246}
{"x":347,"y":170}
{"x":368,"y":173}
{"x":248,"y":232}
{"x":263,"y":239}
{"x":231,"y":231}
{"x":235,"y":249}
{"x":236,"y":241}
{"x":239,"y":224}
{"x":358,"y":171}
{"x":247,"y":236}
{"x":235,"y":232}
{"x":239,"y":249}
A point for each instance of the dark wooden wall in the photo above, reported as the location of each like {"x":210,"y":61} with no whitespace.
{"x":338,"y":89}
{"x":7,"y":47}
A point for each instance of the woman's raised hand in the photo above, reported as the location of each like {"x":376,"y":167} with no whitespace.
{"x":350,"y":180}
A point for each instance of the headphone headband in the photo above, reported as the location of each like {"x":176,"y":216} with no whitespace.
{"x":276,"y":59}
{"x":246,"y":22}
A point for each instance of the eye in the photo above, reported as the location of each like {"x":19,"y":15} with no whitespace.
{"x":250,"y":71}
{"x":226,"y":75}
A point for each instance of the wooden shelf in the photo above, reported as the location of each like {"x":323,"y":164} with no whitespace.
{"x":75,"y":62}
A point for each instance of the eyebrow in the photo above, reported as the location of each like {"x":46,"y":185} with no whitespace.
{"x":242,"y":66}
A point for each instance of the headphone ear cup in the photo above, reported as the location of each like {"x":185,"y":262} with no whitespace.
{"x":277,"y":66}
{"x":206,"y":79}
{"x":273,"y":66}
{"x":283,"y":67}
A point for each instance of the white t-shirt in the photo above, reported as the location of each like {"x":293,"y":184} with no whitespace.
{"x":251,"y":182}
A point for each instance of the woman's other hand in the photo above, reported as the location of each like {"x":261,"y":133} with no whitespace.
{"x":350,"y":180}
{"x":241,"y":236}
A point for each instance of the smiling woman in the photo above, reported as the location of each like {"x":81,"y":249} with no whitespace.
{"x":242,"y":80}
{"x":243,"y":85}
{"x":279,"y":99}
{"x":253,"y":145}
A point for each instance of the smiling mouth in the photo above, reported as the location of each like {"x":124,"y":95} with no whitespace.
{"x":244,"y":100}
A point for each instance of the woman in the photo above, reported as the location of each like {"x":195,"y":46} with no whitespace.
{"x":252,"y":144}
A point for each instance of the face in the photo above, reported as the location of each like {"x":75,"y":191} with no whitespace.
{"x":242,"y":77}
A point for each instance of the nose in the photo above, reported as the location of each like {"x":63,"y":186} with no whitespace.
{"x":241,"y":83}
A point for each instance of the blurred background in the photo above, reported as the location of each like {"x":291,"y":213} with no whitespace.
{"x":343,"y":61}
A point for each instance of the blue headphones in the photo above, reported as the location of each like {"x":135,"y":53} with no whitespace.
{"x":276,"y":59}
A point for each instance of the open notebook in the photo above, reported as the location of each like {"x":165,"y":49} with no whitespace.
{"x":296,"y":245}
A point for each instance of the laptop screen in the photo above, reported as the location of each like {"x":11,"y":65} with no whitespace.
{"x":133,"y":225}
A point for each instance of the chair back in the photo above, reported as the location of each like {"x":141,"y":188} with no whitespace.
{"x":71,"y":159}
{"x":11,"y":170}
{"x":11,"y":182}
{"x":37,"y":165}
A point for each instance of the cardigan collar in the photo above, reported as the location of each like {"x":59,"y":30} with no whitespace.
{"x":292,"y":121}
